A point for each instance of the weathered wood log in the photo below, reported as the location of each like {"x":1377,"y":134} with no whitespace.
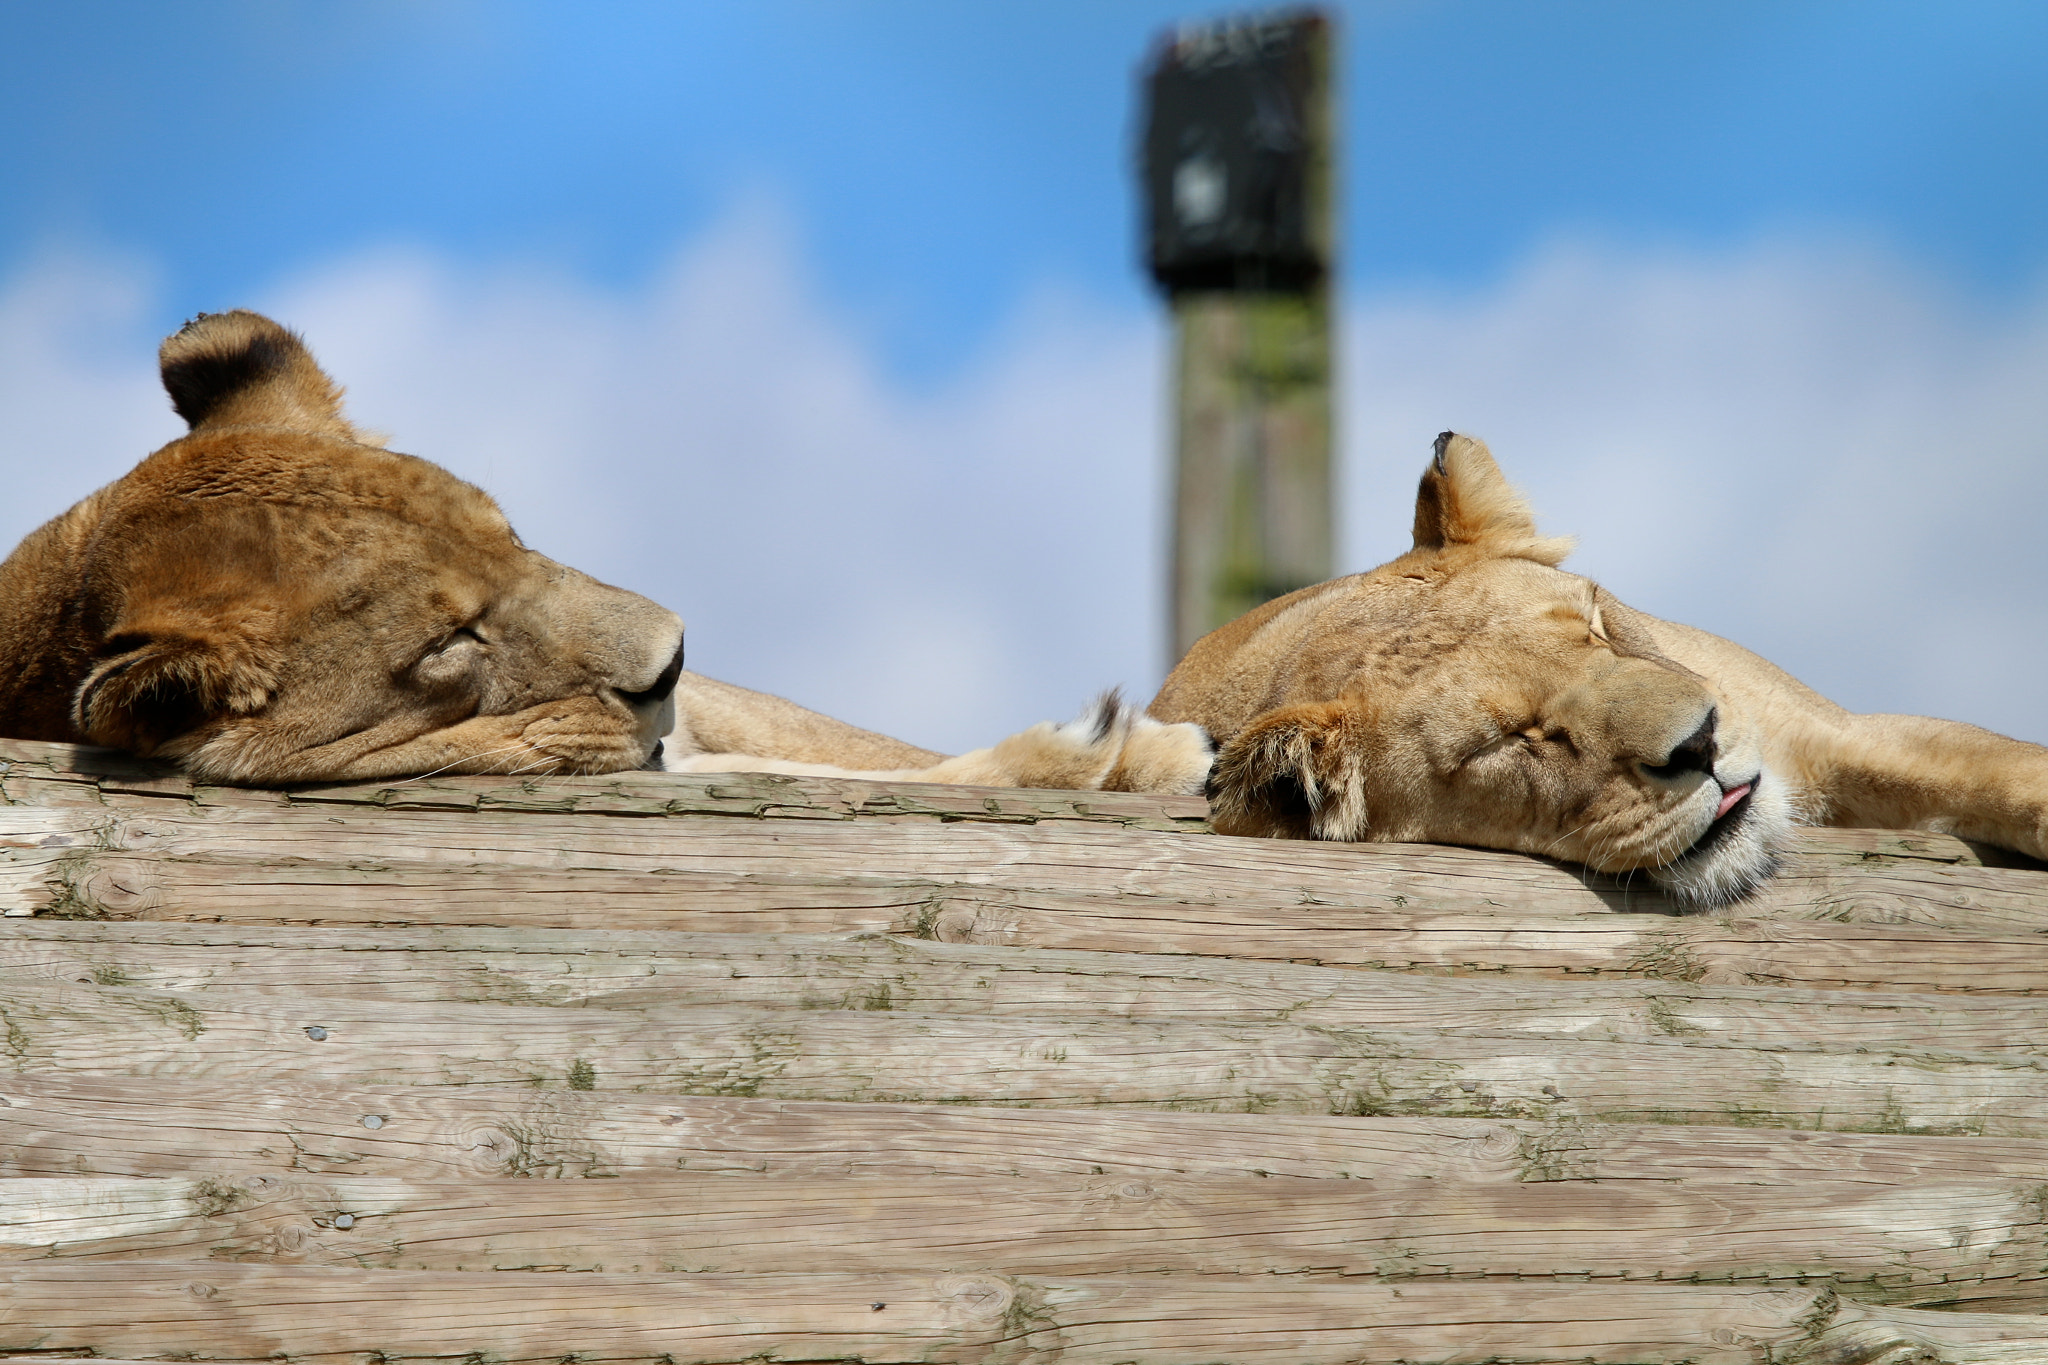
{"x":1981,"y":1245}
{"x":1799,"y":954}
{"x":94,"y":1125}
{"x":635,"y":969}
{"x":1074,"y":859}
{"x":63,"y":774}
{"x":1832,"y":877}
{"x":36,"y":773}
{"x":864,"y":1055}
{"x":218,"y":1084}
{"x":220,"y":1311}
{"x":350,"y":885}
{"x":274,"y":866}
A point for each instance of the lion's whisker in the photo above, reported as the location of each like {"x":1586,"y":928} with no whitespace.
{"x":466,"y":758}
{"x":1564,"y":836}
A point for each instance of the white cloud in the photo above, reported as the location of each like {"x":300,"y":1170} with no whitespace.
{"x":78,"y":397}
{"x":1808,"y":448}
{"x":946,"y":566}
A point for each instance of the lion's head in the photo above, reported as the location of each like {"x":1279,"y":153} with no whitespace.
{"x":274,"y":598}
{"x":1470,"y":692}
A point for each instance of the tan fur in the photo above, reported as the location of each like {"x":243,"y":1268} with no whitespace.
{"x":1471,"y":692}
{"x":275,"y":598}
{"x":1109,"y":747}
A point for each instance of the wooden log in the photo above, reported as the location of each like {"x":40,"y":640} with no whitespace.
{"x":95,"y":1125}
{"x":1831,"y":873}
{"x":1978,"y":1245}
{"x":633,"y":969}
{"x":65,"y":775}
{"x":246,"y":862}
{"x":1711,"y":950}
{"x":103,"y":862}
{"x":1749,"y":950}
{"x":1874,"y":850}
{"x":1319,"y":1056}
{"x":349,"y":886}
{"x":158,"y":1310}
{"x":864,"y":1055}
{"x":37,"y":773}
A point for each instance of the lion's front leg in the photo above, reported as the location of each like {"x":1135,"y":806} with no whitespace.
{"x":717,"y":725}
{"x":1911,"y":772}
{"x":573,"y":735}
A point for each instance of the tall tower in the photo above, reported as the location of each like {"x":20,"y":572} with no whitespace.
{"x":1237,"y":175}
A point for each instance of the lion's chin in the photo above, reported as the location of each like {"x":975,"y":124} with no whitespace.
{"x":1736,"y":854}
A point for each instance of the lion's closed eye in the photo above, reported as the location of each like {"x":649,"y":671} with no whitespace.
{"x":1509,"y":738}
{"x":455,"y":640}
{"x":450,"y":659}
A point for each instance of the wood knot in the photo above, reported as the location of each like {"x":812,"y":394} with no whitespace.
{"x":975,"y":1299}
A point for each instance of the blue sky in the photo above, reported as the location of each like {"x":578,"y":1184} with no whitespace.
{"x":943,"y":158}
{"x":821,"y":322}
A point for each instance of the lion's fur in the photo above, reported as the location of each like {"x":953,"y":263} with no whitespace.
{"x":273,"y":598}
{"x":1110,"y":746}
{"x":1471,"y":692}
{"x":276,"y":598}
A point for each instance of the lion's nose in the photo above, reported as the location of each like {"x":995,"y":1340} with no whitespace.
{"x":1693,"y":754}
{"x":664,"y":684}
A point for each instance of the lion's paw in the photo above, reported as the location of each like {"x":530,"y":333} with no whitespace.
{"x":1172,"y":759}
{"x":1110,"y":746}
{"x":1079,"y":755}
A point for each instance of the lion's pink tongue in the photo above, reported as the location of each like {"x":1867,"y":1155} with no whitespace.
{"x":1730,"y":797}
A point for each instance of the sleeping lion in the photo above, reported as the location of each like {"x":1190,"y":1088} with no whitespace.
{"x":1469,"y":692}
{"x":276,"y":598}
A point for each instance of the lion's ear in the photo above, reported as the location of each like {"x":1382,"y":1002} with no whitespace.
{"x":157,"y":686}
{"x":241,"y":369}
{"x":1465,"y":500}
{"x":1295,"y":773}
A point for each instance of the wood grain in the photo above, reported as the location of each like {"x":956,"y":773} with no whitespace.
{"x":63,"y":774}
{"x":221,"y":1311}
{"x":633,"y":969}
{"x":1914,"y":877}
{"x":1049,"y":1076}
{"x":866,"y":1055}
{"x":1977,"y":1244}
{"x":37,"y":773}
{"x":54,"y":1124}
{"x":1137,"y":892}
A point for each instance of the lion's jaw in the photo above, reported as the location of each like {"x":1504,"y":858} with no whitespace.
{"x":430,"y":649}
{"x":1472,"y":693}
{"x":1546,"y":729}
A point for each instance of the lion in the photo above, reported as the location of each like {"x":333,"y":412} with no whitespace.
{"x":276,"y":598}
{"x":1471,"y":692}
